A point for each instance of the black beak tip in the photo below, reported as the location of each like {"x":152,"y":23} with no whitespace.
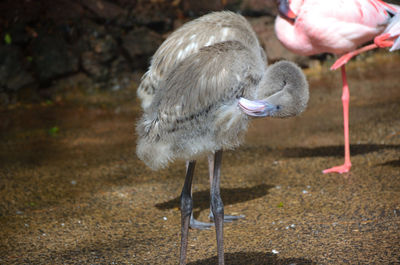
{"x":285,"y":11}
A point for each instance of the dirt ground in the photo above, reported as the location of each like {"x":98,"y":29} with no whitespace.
{"x":73,"y":191}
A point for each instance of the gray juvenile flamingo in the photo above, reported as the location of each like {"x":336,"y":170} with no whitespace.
{"x":204,"y":84}
{"x":188,"y":39}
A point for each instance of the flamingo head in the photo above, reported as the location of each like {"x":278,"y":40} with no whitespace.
{"x":284,"y":89}
{"x":285,"y":11}
{"x":282,"y":93}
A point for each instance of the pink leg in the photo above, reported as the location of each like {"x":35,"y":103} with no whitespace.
{"x":380,"y":41}
{"x":345,"y":58}
{"x":345,"y":99}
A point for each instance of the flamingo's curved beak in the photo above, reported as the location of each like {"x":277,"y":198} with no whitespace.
{"x":258,"y":108}
{"x":285,"y":11}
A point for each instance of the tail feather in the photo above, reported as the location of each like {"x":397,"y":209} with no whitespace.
{"x":146,"y":90}
{"x":394,"y":30}
{"x":154,"y":155}
{"x":391,"y":8}
{"x":396,"y":45}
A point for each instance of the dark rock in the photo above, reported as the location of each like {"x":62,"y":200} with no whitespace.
{"x":201,"y":7}
{"x":159,"y":17}
{"x":4,"y":99}
{"x":62,"y":10}
{"x":233,"y":5}
{"x":119,"y":66}
{"x":253,"y":8}
{"x":104,"y":9}
{"x":40,"y":10}
{"x":13,"y":69}
{"x":258,"y":7}
{"x":105,"y":48}
{"x":102,"y":50}
{"x":53,"y":58}
{"x":140,"y":44}
{"x":20,"y":10}
{"x":78,"y":81}
{"x":91,"y":63}
{"x":91,"y":29}
{"x":127,"y":4}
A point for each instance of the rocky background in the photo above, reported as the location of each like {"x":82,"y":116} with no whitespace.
{"x":49,"y":46}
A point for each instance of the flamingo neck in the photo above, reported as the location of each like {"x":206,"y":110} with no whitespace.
{"x":292,"y":37}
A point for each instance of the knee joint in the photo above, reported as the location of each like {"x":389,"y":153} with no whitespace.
{"x":217,"y":205}
{"x":186,"y":204}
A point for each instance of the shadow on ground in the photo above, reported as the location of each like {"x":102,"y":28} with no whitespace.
{"x":230,"y":196}
{"x":96,"y":253}
{"x":254,"y":258}
{"x":393,"y":163}
{"x":325,"y":151}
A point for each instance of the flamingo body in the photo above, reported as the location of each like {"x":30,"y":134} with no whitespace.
{"x":334,"y":26}
{"x":189,"y":39}
{"x":195,"y":110}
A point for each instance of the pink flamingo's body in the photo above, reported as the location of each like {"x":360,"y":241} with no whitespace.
{"x":309,"y":27}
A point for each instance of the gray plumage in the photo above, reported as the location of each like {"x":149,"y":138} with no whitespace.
{"x":195,"y":109}
{"x":203,"y":83}
{"x":188,"y":39}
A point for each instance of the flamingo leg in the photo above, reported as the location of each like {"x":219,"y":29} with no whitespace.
{"x":382,"y":41}
{"x":195,"y":224}
{"x":186,"y":209}
{"x":345,"y":100}
{"x":227,"y":218}
{"x":217,"y":207}
{"x":346,"y":57}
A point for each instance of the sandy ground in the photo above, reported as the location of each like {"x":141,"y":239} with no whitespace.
{"x":73,"y":191}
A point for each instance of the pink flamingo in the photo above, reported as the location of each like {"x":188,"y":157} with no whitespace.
{"x":310,"y":27}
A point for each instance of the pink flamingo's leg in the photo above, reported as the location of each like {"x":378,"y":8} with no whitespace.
{"x":382,"y":41}
{"x":345,"y":58}
{"x":345,"y":100}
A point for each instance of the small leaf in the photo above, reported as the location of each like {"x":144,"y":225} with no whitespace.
{"x":54,"y":130}
{"x":280,"y":205}
{"x":7,"y":38}
{"x":29,"y":58}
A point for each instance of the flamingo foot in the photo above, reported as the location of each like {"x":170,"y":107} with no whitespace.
{"x":195,"y":224}
{"x":227,"y":218}
{"x":338,"y":169}
{"x":384,"y":40}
